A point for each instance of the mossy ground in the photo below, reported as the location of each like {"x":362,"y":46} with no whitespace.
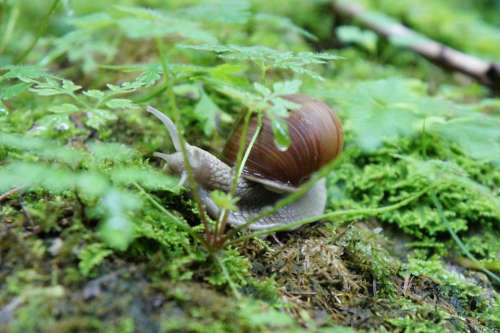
{"x":61,"y":270}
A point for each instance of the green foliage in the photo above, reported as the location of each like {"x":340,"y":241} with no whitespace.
{"x":95,"y":237}
{"x":92,"y":256}
{"x":378,"y":117}
{"x":233,"y":269}
{"x":146,"y":23}
{"x":223,"y":200}
{"x":266,"y":58}
{"x":115,"y":205}
{"x":221,"y":11}
{"x":466,"y":201}
{"x":365,"y":38}
{"x":278,"y":112}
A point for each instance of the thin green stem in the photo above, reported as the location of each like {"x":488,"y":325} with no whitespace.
{"x":459,"y":242}
{"x":183,"y":145}
{"x":291,"y":198}
{"x":143,"y":99}
{"x":41,"y":30}
{"x":224,"y":270}
{"x":251,"y":101}
{"x":79,"y":101}
{"x":224,"y":213}
{"x":345,"y":215}
{"x":467,"y":263}
{"x":155,"y":203}
{"x":241,"y":160}
{"x":184,"y":226}
{"x":9,"y":28}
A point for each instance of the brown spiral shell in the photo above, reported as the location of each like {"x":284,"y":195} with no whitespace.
{"x":316,"y":138}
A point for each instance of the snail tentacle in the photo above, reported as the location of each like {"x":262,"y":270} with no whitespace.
{"x":169,"y":124}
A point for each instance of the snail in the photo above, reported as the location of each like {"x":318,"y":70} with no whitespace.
{"x":269,"y":172}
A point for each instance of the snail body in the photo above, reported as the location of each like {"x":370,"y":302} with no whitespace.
{"x":269,"y":173}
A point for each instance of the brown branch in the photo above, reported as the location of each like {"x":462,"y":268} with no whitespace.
{"x":486,"y":72}
{"x":9,"y":192}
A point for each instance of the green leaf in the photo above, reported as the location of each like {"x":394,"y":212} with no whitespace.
{"x":25,"y":73}
{"x":44,"y":148}
{"x":54,"y":122}
{"x":191,"y":91}
{"x":353,"y":34}
{"x":92,"y":256}
{"x":65,"y":108}
{"x":92,"y":184}
{"x":229,"y":73}
{"x":95,"y":94}
{"x":287,"y":87}
{"x":385,"y":110}
{"x":223,"y":200}
{"x":92,"y":21}
{"x":11,"y":91}
{"x":263,"y":90}
{"x":53,"y":87}
{"x":478,"y":135}
{"x":69,"y":86}
{"x":150,"y":75}
{"x":111,"y":151}
{"x":98,"y":118}
{"x":381,"y":111}
{"x":120,"y":103}
{"x":296,"y":62}
{"x":145,"y":176}
{"x":285,"y":24}
{"x":147,"y":23}
{"x":206,"y":111}
{"x":118,"y":230}
{"x":221,"y":11}
{"x":52,"y":178}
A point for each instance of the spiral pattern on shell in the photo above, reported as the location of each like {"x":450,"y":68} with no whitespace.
{"x":316,"y":138}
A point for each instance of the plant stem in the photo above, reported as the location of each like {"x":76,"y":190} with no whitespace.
{"x":143,"y":99}
{"x":347,"y":215}
{"x":240,"y":164}
{"x":251,"y":101}
{"x":223,"y":267}
{"x":457,"y":240}
{"x":10,"y":192}
{"x":183,"y":146}
{"x":9,"y":28}
{"x":184,"y":226}
{"x":41,"y":30}
{"x":291,"y":198}
{"x":467,"y":263}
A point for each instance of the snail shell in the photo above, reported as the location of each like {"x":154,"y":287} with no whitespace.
{"x":316,"y":138}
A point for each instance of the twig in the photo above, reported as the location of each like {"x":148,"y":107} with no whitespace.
{"x":486,"y":72}
{"x":9,"y":193}
{"x":457,"y":240}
